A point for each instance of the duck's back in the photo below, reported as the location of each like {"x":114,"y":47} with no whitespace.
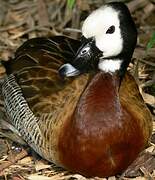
{"x":37,"y":100}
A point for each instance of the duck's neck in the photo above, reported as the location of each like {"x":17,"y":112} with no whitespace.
{"x":112,"y":65}
{"x":100,"y":99}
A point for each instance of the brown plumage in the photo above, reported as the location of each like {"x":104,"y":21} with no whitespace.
{"x":50,"y":98}
{"x":90,"y":129}
{"x":107,"y":130}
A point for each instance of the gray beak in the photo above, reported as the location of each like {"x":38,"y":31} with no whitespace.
{"x":67,"y":70}
{"x":85,"y":60}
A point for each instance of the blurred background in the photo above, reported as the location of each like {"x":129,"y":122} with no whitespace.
{"x":24,"y":19}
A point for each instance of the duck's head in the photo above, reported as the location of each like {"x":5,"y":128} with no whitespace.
{"x":108,"y":40}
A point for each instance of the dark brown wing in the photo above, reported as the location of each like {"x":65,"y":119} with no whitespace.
{"x":133,"y":102}
{"x":36,"y":65}
{"x":37,"y":100}
{"x":49,"y":52}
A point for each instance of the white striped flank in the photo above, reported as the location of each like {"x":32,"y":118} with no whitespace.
{"x":20,"y":114}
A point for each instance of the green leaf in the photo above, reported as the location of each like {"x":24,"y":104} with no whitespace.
{"x":70,"y":3}
{"x":151,"y":43}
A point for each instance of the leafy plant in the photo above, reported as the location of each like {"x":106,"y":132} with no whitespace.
{"x":151,"y":43}
{"x":70,"y":3}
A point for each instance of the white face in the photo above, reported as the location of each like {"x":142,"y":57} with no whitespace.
{"x":97,"y":24}
{"x":103,"y":26}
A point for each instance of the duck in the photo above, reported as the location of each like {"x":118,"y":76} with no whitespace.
{"x":73,"y":101}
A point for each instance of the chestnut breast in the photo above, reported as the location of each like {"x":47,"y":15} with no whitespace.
{"x":105,"y":134}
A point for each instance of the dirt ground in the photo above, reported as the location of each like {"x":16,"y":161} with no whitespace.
{"x":24,"y":19}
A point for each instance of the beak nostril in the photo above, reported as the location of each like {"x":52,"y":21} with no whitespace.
{"x":84,"y":51}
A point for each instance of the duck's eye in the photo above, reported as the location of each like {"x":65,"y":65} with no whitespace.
{"x":110,"y":30}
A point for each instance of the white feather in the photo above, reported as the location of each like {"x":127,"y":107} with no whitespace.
{"x":96,"y":25}
{"x":109,"y":65}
